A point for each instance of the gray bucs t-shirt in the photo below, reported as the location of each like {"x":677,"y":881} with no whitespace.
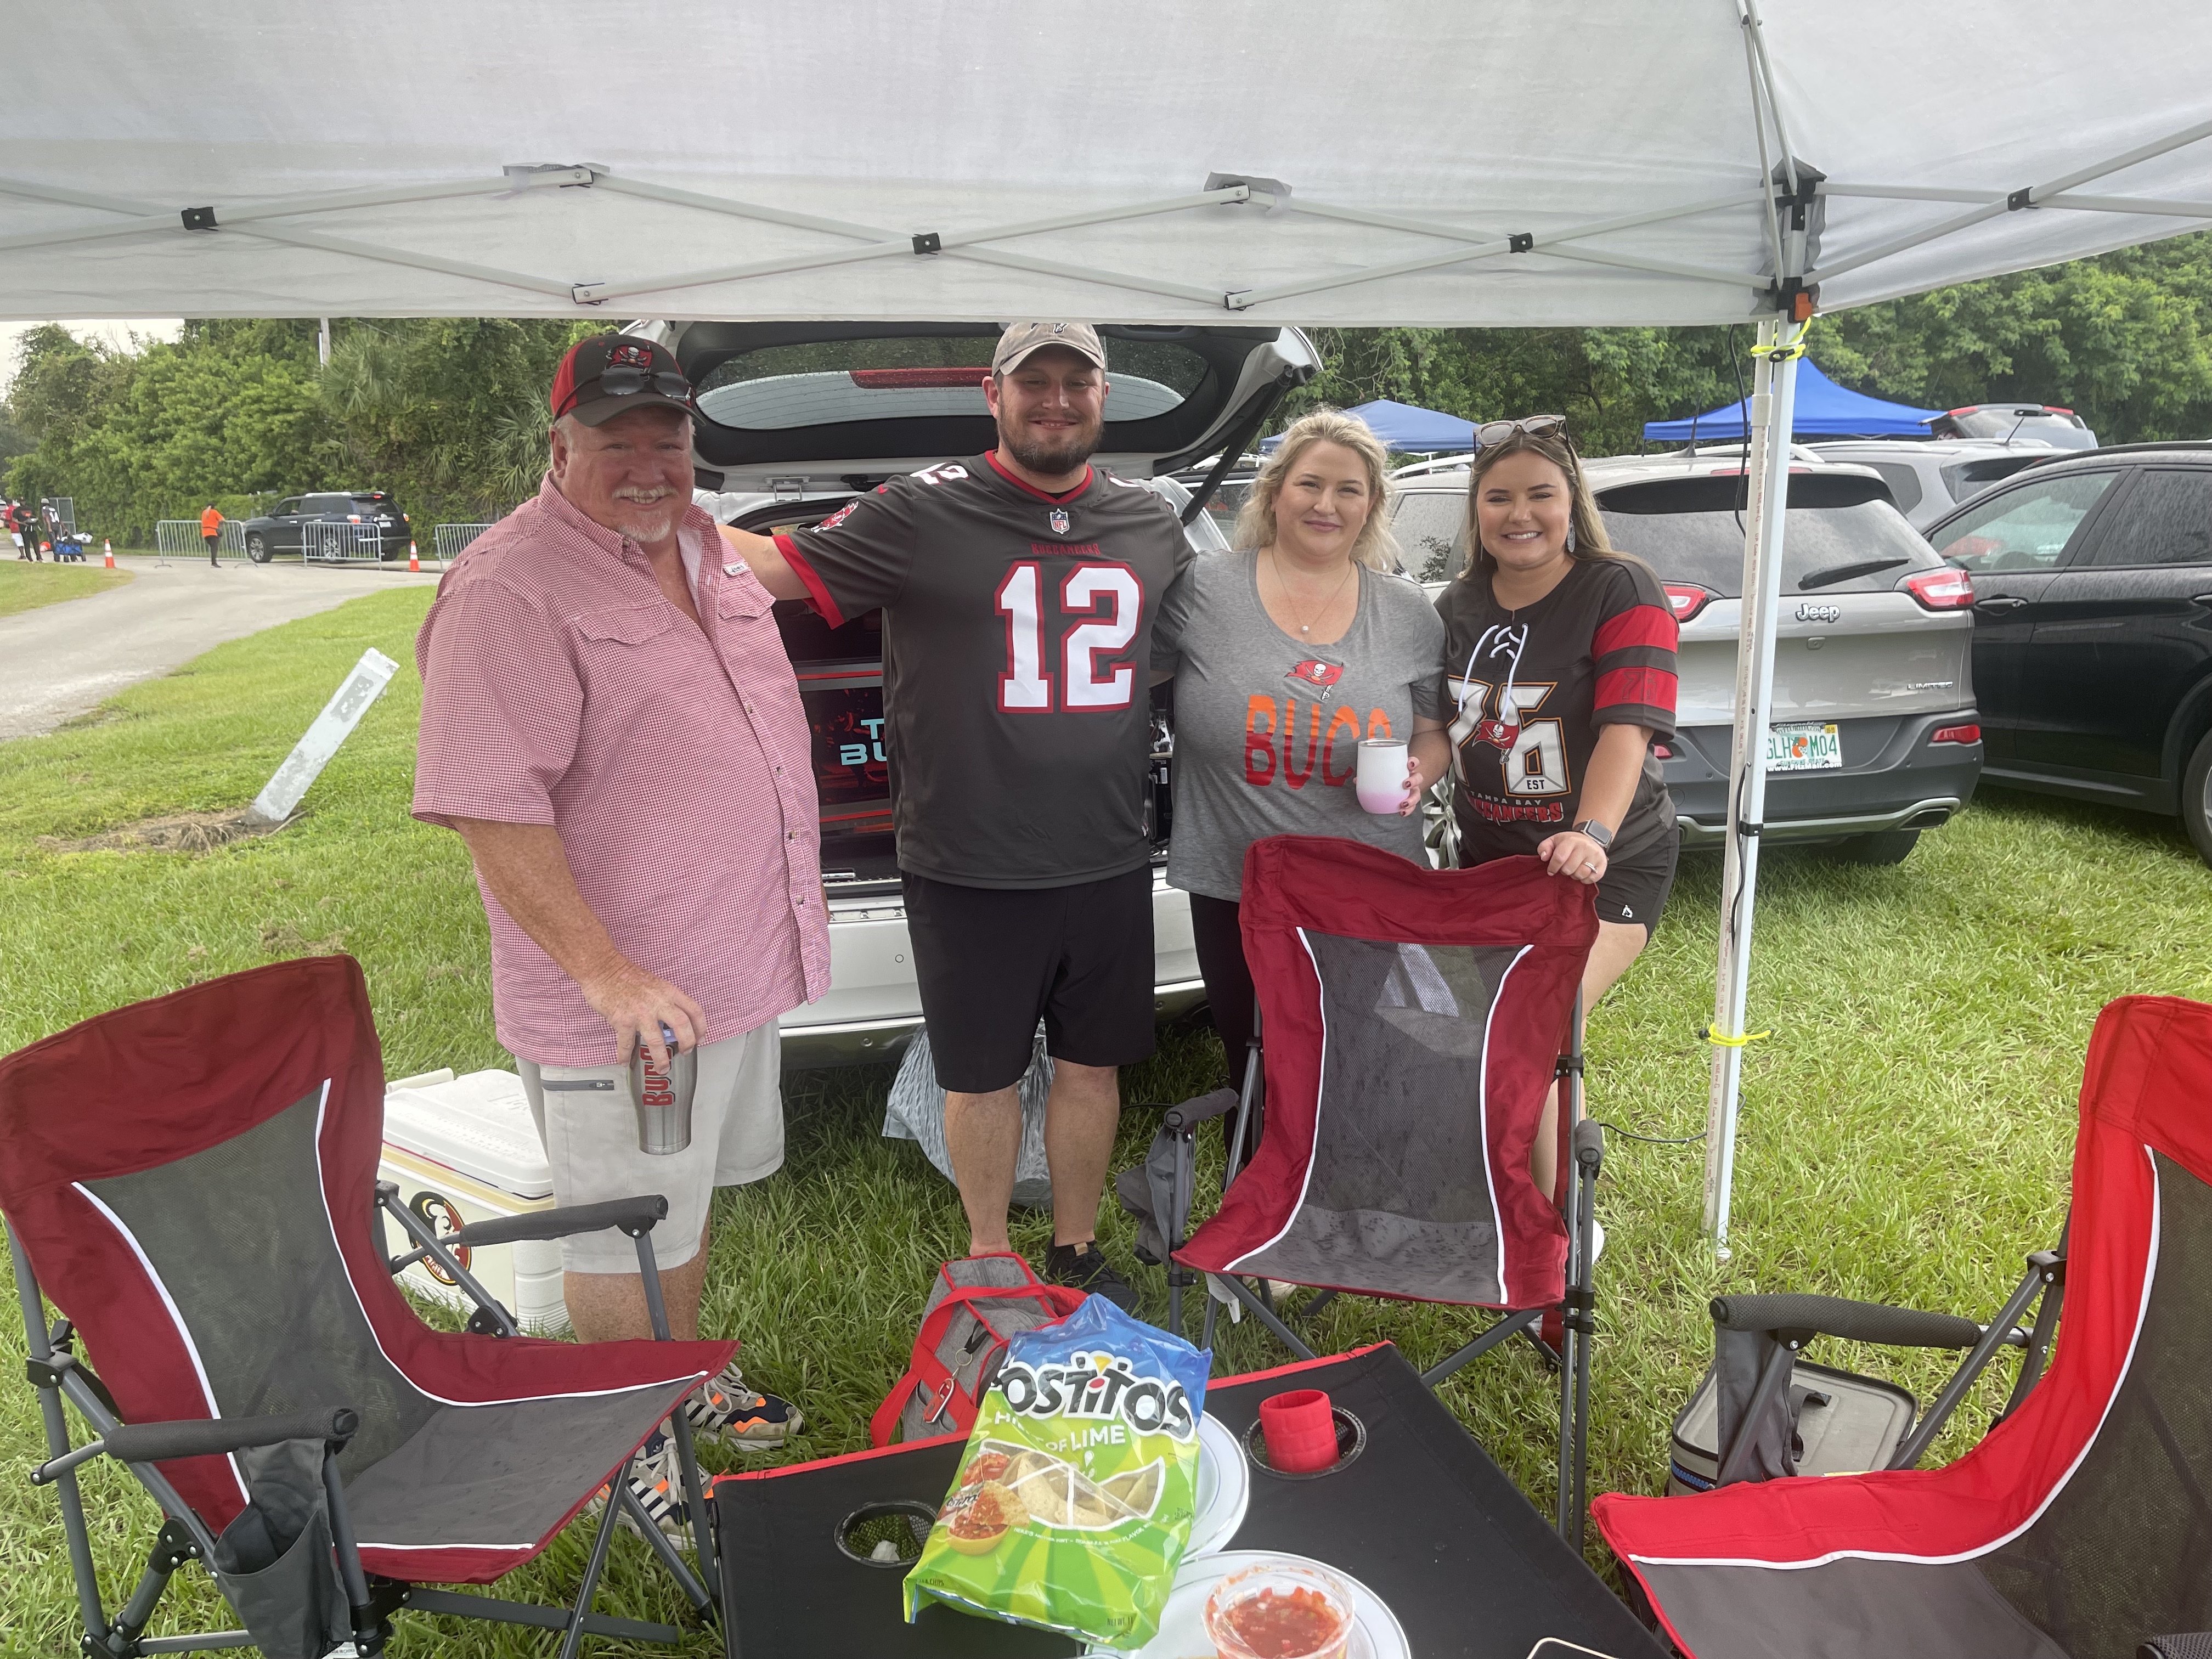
{"x":1018,"y":657}
{"x":1268,"y":727}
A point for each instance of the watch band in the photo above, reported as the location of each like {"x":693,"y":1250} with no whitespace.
{"x":1597,"y":831}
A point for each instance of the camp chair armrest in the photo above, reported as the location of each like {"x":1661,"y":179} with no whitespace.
{"x":1853,"y":1322}
{"x":632,"y":1215}
{"x":1204,"y":1110}
{"x":2192,"y":1644}
{"x":214,"y":1436}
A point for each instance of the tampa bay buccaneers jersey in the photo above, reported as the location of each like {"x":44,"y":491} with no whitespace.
{"x":1531,"y":688}
{"x":1018,"y":658}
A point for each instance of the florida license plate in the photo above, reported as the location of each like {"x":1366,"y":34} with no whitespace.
{"x":1807,"y":748}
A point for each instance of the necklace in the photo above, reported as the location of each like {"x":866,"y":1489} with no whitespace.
{"x":1307,"y":627}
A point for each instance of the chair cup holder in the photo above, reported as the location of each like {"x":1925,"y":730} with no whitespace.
{"x":287,"y":1595}
{"x":920,"y":1518}
{"x":1350,"y":1441}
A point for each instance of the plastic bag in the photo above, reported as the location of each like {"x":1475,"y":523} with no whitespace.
{"x":1074,"y":1500}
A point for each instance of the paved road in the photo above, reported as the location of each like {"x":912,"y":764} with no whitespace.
{"x":60,"y":659}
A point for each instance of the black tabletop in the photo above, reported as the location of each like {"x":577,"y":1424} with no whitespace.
{"x":1422,"y":1516}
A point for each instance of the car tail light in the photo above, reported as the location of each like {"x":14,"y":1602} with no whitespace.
{"x":1968,"y":409}
{"x":887,"y":379}
{"x":2056,"y":410}
{"x":1969,"y":732}
{"x":1661,"y":751}
{"x":1947,"y":589}
{"x":1686,"y":600}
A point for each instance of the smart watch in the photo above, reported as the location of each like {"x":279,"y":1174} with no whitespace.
{"x":1597,"y":831}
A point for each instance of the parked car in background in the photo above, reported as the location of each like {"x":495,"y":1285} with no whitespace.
{"x":1874,"y":736}
{"x":1227,"y":500}
{"x":377,"y":527}
{"x":1928,"y":478}
{"x":799,"y":418}
{"x":2092,"y":635}
{"x":2061,"y":429}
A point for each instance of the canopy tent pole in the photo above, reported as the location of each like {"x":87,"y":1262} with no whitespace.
{"x":1773,"y":401}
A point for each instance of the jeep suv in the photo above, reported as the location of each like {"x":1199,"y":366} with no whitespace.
{"x":1873,"y":736}
{"x":2092,"y":627}
{"x":798,"y":419}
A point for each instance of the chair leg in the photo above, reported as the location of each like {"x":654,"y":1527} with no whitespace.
{"x":572,"y":1640}
{"x":661,"y":1545}
{"x":1258,"y":1306}
{"x":1482,"y":1344}
{"x":90,"y":1609}
{"x":1212,"y":1314}
{"x":1179,"y":1197}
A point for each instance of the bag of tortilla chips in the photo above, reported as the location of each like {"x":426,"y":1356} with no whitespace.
{"x":1074,"y":1498}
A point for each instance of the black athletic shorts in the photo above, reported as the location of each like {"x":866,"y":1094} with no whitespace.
{"x":1633,"y":889}
{"x":992,"y":960}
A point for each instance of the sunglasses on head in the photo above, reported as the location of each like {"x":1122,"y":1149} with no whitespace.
{"x":1491,"y":433}
{"x":628,"y":383}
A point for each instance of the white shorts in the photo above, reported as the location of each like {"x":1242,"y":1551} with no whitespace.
{"x":591,"y":1142}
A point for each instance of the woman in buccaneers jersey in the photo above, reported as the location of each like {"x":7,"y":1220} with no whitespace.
{"x":1560,"y":657}
{"x":1290,"y":651}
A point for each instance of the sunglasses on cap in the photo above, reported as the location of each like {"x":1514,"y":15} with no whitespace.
{"x":619,"y":382}
{"x":1491,"y":433}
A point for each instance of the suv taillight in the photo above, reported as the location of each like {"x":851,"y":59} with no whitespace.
{"x":1967,"y":733}
{"x":1947,"y":589}
{"x":1686,"y":600}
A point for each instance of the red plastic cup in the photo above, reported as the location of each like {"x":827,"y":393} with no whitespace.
{"x":1300,"y":1431}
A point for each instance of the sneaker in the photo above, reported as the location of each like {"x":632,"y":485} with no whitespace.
{"x":724,"y":1409}
{"x":656,"y":1479}
{"x":1083,"y":1266}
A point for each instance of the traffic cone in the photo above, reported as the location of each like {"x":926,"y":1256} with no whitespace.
{"x":413,"y":562}
{"x":107,"y":547}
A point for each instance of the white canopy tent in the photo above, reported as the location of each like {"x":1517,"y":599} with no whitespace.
{"x":1485,"y":164}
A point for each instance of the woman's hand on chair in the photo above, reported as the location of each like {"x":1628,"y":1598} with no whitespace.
{"x":1571,"y":852}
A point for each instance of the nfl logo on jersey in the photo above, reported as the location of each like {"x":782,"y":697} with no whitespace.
{"x":1058,"y":520}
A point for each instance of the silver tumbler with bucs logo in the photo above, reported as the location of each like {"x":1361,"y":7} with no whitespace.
{"x":663,"y":1099}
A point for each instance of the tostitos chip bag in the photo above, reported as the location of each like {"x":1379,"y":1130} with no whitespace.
{"x":1074,"y":1499}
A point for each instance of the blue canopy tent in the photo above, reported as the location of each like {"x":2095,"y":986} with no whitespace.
{"x":1824,"y":409}
{"x":1403,"y":427}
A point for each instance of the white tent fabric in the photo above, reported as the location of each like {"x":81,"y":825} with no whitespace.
{"x":1495,"y":162}
{"x":811,"y":145}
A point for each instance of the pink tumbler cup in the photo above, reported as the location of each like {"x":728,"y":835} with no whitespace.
{"x":1300,"y":1431}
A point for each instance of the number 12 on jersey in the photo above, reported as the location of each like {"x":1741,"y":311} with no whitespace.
{"x":1109,"y":593}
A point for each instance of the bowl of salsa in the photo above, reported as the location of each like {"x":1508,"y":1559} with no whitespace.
{"x":1280,"y":1610}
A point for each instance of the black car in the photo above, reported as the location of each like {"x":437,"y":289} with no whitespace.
{"x":339,"y":526}
{"x":2092,"y":627}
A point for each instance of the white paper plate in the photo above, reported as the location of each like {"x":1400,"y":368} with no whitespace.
{"x":1375,"y":1633}
{"x":1224,"y":1489}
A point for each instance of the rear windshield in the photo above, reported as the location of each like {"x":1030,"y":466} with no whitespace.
{"x":1706,"y":548}
{"x":824,"y":382}
{"x":1429,"y":524}
{"x":2064,"y":430}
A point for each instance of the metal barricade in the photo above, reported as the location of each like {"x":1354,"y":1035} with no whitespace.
{"x":452,"y":538}
{"x":323,"y":542}
{"x":180,"y":538}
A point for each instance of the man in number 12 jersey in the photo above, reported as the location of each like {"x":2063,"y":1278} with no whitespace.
{"x":1018,"y":590}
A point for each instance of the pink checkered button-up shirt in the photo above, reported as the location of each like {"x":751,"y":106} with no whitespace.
{"x":560,"y":687}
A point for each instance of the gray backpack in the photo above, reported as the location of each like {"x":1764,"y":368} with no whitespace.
{"x":978,"y":1305}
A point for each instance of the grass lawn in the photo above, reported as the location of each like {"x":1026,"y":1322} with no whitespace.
{"x":25,"y":586}
{"x":1906,"y":1130}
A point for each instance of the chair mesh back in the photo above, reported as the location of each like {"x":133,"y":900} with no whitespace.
{"x":2126,"y":1546}
{"x":239,"y":1239}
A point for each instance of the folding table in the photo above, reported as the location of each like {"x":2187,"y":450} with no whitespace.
{"x":1421,"y":1516}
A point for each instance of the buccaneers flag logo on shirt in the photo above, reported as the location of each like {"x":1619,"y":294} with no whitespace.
{"x":1321,"y":676}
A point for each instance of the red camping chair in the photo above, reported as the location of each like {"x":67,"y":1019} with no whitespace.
{"x":192,"y":1181}
{"x":2080,"y":1527}
{"x":1414,"y":1020}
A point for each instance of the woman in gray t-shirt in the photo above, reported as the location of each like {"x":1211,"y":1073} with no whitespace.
{"x":1292,"y":650}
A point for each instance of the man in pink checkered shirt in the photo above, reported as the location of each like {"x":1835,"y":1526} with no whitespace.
{"x":611,"y":723}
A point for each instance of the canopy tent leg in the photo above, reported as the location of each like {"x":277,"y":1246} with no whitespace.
{"x":1773,"y":401}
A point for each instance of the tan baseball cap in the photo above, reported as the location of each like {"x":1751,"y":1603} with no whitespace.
{"x":1020,"y":339}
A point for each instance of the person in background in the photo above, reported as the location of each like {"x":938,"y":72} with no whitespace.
{"x":611,"y":723}
{"x":1019,"y":591}
{"x":1290,"y":651}
{"x":212,"y":531}
{"x":11,"y":517}
{"x":1561,"y":657}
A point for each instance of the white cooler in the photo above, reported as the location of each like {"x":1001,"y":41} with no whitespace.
{"x":464,"y":1149}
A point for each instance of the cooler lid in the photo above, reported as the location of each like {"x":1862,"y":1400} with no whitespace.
{"x":479,"y":1125}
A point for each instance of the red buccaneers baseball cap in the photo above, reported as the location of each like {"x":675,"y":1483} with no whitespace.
{"x":609,"y":374}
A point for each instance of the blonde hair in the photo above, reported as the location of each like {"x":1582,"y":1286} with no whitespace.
{"x":1590,"y":543}
{"x":1375,"y":547}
